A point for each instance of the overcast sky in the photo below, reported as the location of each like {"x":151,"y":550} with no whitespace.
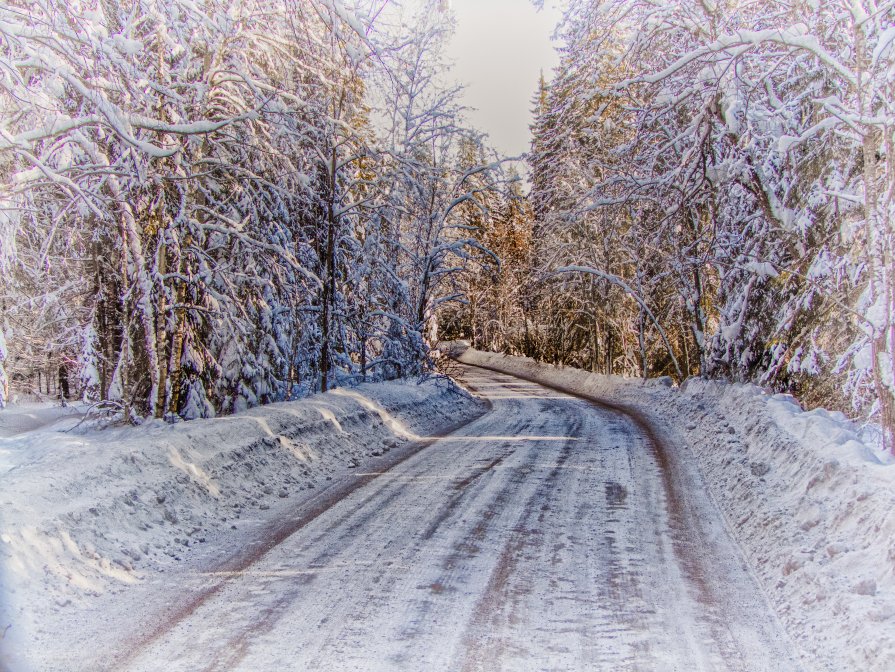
{"x":499,"y":50}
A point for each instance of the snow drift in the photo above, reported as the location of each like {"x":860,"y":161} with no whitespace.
{"x":811,"y":504}
{"x":92,"y":521}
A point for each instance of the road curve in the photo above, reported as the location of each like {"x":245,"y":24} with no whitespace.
{"x":542,"y":536}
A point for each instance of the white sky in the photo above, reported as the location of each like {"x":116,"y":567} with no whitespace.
{"x":499,"y":49}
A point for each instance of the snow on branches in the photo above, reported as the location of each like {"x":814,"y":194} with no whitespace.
{"x":739,"y":155}
{"x":197,"y":213}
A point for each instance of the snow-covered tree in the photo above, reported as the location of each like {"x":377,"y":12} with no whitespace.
{"x":197,"y":213}
{"x":738,"y":153}
{"x":432,"y":183}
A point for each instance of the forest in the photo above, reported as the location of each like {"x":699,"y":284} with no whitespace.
{"x":210,"y":206}
{"x":711,"y":195}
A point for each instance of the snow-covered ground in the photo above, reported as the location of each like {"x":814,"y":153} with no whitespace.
{"x":19,"y":418}
{"x":811,"y":504}
{"x":97,"y":525}
{"x":107,"y":535}
{"x":544,"y":535}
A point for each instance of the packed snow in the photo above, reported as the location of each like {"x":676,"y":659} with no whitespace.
{"x":808,"y":495}
{"x":97,"y":525}
{"x":543,"y":535}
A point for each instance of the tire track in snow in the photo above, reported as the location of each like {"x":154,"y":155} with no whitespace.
{"x":687,"y":531}
{"x":553,"y":550}
{"x":274,"y":535}
{"x":477,"y":655}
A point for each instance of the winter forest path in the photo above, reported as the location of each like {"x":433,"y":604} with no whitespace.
{"x":549,"y":534}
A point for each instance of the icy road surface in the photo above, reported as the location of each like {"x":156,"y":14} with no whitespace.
{"x":550,"y":534}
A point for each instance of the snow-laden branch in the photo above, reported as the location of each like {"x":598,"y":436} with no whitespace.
{"x":793,"y":37}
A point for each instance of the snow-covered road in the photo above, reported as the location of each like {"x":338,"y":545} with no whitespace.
{"x":550,"y":534}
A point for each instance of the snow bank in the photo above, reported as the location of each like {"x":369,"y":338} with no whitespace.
{"x":89,"y":515}
{"x":810,"y":503}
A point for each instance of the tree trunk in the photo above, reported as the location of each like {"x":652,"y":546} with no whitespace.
{"x":641,"y":342}
{"x":162,"y":336}
{"x":363,"y":358}
{"x":329,"y":283}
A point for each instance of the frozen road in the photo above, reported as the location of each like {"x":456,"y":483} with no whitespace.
{"x":550,"y":534}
